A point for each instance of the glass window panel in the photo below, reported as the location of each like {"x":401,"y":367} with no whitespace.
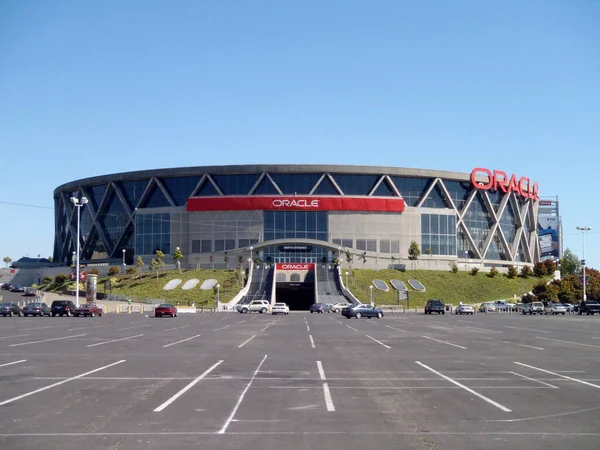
{"x":265,"y":188}
{"x":206,"y":246}
{"x":326,"y":187}
{"x":411,"y":189}
{"x":425,"y":223}
{"x":300,"y":184}
{"x":230,"y":244}
{"x":235,"y":184}
{"x":384,"y":246}
{"x":348,"y":243}
{"x":395,"y":246}
{"x":371,"y":245}
{"x":355,"y":184}
{"x":219,"y":245}
{"x":155,"y":199}
{"x":96,"y":194}
{"x":361,"y":244}
{"x":435,"y":229}
{"x":133,"y":190}
{"x":196,"y":247}
{"x":207,"y":189}
{"x":459,"y":192}
{"x":384,"y":190}
{"x":443,"y":224}
{"x":436,"y":199}
{"x":180,"y":188}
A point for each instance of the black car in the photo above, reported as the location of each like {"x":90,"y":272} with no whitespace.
{"x":6,"y":286}
{"x":589,"y":307}
{"x":36,"y":309}
{"x":319,"y":308}
{"x":17,"y":288}
{"x":435,"y":305}
{"x":10,"y":309}
{"x":359,"y":311}
{"x":62,"y":308}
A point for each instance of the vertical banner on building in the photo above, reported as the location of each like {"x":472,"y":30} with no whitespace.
{"x":549,"y":230}
{"x":91,"y":288}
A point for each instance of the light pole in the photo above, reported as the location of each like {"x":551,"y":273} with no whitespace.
{"x":466,"y":263}
{"x":124,"y":261}
{"x":218,"y":294}
{"x":371,"y":294}
{"x":251,"y":248}
{"x":347,"y":287}
{"x":178,"y":262}
{"x":78,"y":204}
{"x":583,"y":230}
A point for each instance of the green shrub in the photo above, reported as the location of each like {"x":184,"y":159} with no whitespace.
{"x":131,"y":270}
{"x":94,"y":272}
{"x":453,"y":267}
{"x":474,"y":271}
{"x":493,"y":272}
{"x":47,"y":279}
{"x":526,"y":272}
{"x":114,"y":270}
{"x":528,"y":298}
{"x":539,"y":269}
{"x":512,"y":272}
{"x":61,"y":278}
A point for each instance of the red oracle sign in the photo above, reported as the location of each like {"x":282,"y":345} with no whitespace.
{"x":500,"y":181}
{"x":280,"y":203}
{"x":292,"y":266}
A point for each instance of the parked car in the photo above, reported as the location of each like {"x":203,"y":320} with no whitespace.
{"x":259,"y":306}
{"x":435,"y":305}
{"x":589,"y":307}
{"x":503,"y":305}
{"x":165,"y":309}
{"x":359,"y":311}
{"x":62,"y":308}
{"x":465,"y":309}
{"x":555,"y":308}
{"x":88,"y":309}
{"x":6,"y":286}
{"x":10,"y":309}
{"x":570,"y":307}
{"x":487,"y":307}
{"x":337,"y":307}
{"x":17,"y":288}
{"x":29,"y":292}
{"x":533,"y":308}
{"x":280,"y":308}
{"x":36,"y":309}
{"x":318,"y":308}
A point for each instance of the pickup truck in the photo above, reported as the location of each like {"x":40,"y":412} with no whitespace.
{"x":90,"y":309}
{"x":589,"y":307}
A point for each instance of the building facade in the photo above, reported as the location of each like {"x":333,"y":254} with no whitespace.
{"x":365,"y":216}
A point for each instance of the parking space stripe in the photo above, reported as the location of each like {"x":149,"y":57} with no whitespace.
{"x":312,"y":342}
{"x":239,"y":402}
{"x":14,"y":399}
{"x":183,"y":340}
{"x":528,"y":329}
{"x":176,"y":328}
{"x":482,"y":329}
{"x":567,"y":342}
{"x":14,"y":336}
{"x":222,"y":328}
{"x":534,"y":380}
{"x":46,"y":340}
{"x":114,"y":340}
{"x":188,"y":387}
{"x":394,"y":328}
{"x":445,"y":342}
{"x":559,"y":375}
{"x":131,"y":328}
{"x":326,"y":391}
{"x":246,"y":341}
{"x":379,"y":342}
{"x":351,"y":328}
{"x":462,"y":386}
{"x":11,"y":363}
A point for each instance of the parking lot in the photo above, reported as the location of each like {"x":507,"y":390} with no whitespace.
{"x":232,"y":381}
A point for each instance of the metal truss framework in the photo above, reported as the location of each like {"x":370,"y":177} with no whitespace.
{"x":523,"y":245}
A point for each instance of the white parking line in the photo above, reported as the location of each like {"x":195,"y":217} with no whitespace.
{"x":445,"y":342}
{"x":351,"y":328}
{"x":239,"y":402}
{"x":528,"y":346}
{"x":462,"y":386}
{"x":46,"y":340}
{"x":537,"y":381}
{"x":14,"y":336}
{"x":399,"y":329}
{"x":222,"y":328}
{"x":264,"y":328}
{"x":312,"y":342}
{"x":176,"y":328}
{"x":567,"y":342}
{"x":5,"y":402}
{"x":187,"y":388}
{"x":131,"y":328}
{"x":115,"y":340}
{"x":11,"y":363}
{"x":528,"y":329}
{"x":241,"y":321}
{"x":555,"y":374}
{"x":379,"y":342}
{"x":38,"y":328}
{"x":307,"y":328}
{"x":326,"y":391}
{"x":441,"y":328}
{"x":246,"y":341}
{"x":183,"y":340}
{"x":482,"y":329}
{"x":225,"y":318}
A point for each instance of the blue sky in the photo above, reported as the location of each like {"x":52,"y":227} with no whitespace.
{"x":90,"y":88}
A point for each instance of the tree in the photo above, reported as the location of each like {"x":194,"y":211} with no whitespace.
{"x":160,"y":259}
{"x":47,"y":280}
{"x":7,"y":260}
{"x":226,"y":259}
{"x":349,"y":258}
{"x":114,"y":270}
{"x":414,"y":252}
{"x":512,"y":272}
{"x":453,"y":267}
{"x":539,"y":270}
{"x":570,"y":264}
{"x":197,"y":258}
{"x":61,"y":278}
{"x":550,"y":267}
{"x":526,"y":272}
{"x":528,"y":298}
{"x":154,"y":266}
{"x":474,"y":271}
{"x":130,"y":270}
{"x":428,"y":252}
{"x":494,"y":272}
{"x":178,"y":256}
{"x":140,"y":265}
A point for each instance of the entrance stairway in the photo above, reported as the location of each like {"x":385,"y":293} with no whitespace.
{"x":328,"y":286}
{"x":261,"y":285}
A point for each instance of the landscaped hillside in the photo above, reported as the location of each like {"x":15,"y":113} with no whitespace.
{"x":450,"y":287}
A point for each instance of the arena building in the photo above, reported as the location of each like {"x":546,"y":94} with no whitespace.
{"x":361,"y":215}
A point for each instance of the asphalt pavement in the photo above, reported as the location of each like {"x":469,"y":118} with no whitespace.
{"x":302,"y":381}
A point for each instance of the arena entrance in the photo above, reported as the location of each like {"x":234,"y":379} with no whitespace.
{"x":295,"y":284}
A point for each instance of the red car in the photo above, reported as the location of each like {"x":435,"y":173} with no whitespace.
{"x":90,"y":309}
{"x":165,"y":310}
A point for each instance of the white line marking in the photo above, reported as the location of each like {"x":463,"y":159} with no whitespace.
{"x":46,"y":340}
{"x":441,"y":328}
{"x":131,"y":328}
{"x":187,"y":388}
{"x":530,"y":346}
{"x":568,"y":342}
{"x":241,"y":321}
{"x":11,"y":363}
{"x":246,"y":341}
{"x":5,"y":402}
{"x":456,"y":383}
{"x":239,"y":402}
{"x":379,"y":342}
{"x":483,"y":329}
{"x":394,"y":328}
{"x":15,"y":336}
{"x":326,"y":391}
{"x":351,"y":328}
{"x":264,"y":328}
{"x":225,"y":318}
{"x":528,"y":329}
{"x":557,"y":375}
{"x":444,"y":342}
{"x":176,"y":328}
{"x":312,"y":342}
{"x":78,"y":328}
{"x":537,"y":381}
{"x":307,"y":328}
{"x":222,"y":328}
{"x":183,"y":340}
{"x":115,"y":340}
{"x":37,"y":328}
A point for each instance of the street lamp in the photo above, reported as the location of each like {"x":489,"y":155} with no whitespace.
{"x":371,"y":294}
{"x":466,"y":263}
{"x":218,"y":293}
{"x":251,"y":248}
{"x":78,"y":204}
{"x":178,"y":262}
{"x":583,"y":230}
{"x":347,"y":280}
{"x":124,"y":260}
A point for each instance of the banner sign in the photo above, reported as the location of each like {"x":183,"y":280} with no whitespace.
{"x":281,"y":203}
{"x":295,"y":266}
{"x":295,"y":248}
